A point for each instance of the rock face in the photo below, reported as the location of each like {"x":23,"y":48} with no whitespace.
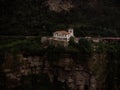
{"x":65,"y":71}
{"x":59,"y":5}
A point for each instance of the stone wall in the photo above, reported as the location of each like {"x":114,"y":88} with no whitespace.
{"x":52,"y":41}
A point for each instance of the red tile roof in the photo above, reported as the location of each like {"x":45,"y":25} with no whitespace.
{"x":62,"y":32}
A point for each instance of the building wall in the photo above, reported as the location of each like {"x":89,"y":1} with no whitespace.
{"x":61,"y":36}
{"x":71,"y":31}
{"x":61,"y":39}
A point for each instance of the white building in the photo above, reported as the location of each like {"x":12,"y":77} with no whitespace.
{"x":63,"y":35}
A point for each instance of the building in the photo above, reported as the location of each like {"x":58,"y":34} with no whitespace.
{"x":59,"y":38}
{"x":63,"y":35}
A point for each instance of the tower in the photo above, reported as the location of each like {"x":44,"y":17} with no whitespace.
{"x":71,"y":31}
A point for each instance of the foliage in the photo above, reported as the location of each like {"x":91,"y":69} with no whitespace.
{"x":112,"y":68}
{"x":72,"y":42}
{"x":82,"y":51}
{"x":85,"y":46}
{"x":101,"y":47}
{"x":54,"y":53}
{"x":33,"y":17}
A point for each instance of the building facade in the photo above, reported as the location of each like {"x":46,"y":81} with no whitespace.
{"x":59,"y":38}
{"x":63,"y":35}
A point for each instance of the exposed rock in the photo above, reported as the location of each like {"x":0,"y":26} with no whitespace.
{"x":60,"y":5}
{"x":64,"y":70}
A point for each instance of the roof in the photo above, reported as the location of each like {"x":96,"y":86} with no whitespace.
{"x":62,"y":32}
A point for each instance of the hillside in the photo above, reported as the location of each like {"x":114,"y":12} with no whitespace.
{"x":82,"y":66}
{"x":42,"y":17}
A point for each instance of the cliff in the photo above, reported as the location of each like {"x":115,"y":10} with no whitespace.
{"x":53,"y":68}
{"x":65,"y":71}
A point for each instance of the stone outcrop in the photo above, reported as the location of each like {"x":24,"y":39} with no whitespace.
{"x":65,"y":71}
{"x":59,"y":5}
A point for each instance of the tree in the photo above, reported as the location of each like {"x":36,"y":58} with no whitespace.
{"x":85,"y":49}
{"x":112,"y":68}
{"x":72,"y":41}
{"x":54,"y":53}
{"x":85,"y":46}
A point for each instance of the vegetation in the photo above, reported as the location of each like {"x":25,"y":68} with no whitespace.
{"x":112,"y":68}
{"x":33,"y":17}
{"x":106,"y":65}
{"x":88,"y":18}
{"x":72,"y":41}
{"x":81,"y":52}
{"x":54,"y":53}
{"x":33,"y":46}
